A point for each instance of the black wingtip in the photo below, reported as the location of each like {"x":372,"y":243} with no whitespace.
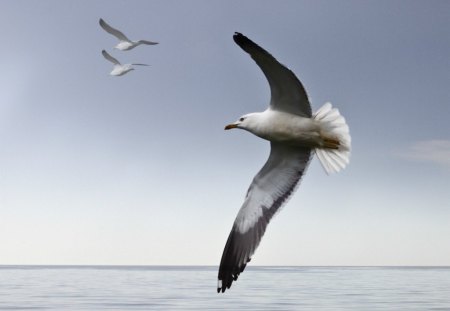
{"x":244,"y":42}
{"x":239,"y":38}
{"x":225,"y":284}
{"x":220,"y":286}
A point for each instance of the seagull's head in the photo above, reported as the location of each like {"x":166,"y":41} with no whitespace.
{"x":245,"y":122}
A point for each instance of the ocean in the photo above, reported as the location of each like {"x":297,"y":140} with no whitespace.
{"x":194,"y":288}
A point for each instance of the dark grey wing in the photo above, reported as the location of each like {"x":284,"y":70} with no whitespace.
{"x":147,"y":42}
{"x":270,"y":188}
{"x":140,"y":64}
{"x":116,"y":33}
{"x":287,"y":92}
{"x":110,"y":58}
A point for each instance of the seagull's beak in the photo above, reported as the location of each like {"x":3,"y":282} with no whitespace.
{"x":230,"y":126}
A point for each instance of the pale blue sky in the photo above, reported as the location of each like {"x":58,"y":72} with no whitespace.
{"x":97,"y":169}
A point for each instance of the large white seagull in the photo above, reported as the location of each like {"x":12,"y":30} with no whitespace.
{"x":295,"y":133}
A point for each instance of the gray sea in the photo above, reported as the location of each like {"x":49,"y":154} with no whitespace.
{"x":194,"y":288}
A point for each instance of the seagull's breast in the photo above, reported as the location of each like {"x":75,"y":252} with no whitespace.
{"x":124,"y":45}
{"x":288,"y":128}
{"x":120,"y":70}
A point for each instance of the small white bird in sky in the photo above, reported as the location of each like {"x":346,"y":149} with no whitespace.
{"x":125,"y":44}
{"x":295,"y":134}
{"x":119,"y":69}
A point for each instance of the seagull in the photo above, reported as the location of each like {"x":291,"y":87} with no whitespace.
{"x":119,"y":69}
{"x":125,"y":44}
{"x":295,"y":134}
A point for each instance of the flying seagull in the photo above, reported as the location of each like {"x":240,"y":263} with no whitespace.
{"x":125,"y":44}
{"x":295,"y":133}
{"x":119,"y":69}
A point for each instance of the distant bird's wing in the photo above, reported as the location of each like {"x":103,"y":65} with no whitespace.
{"x":270,"y":188}
{"x":147,"y":42}
{"x":116,"y":33}
{"x":140,"y":64}
{"x":287,"y":92}
{"x":110,"y":58}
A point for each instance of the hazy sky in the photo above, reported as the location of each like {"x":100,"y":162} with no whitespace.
{"x":137,"y":169}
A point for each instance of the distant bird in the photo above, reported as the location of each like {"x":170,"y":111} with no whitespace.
{"x":295,"y":133}
{"x":119,"y":69}
{"x":125,"y":44}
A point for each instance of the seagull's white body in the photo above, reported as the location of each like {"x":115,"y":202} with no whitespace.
{"x":124,"y":44}
{"x":295,"y":133}
{"x":119,"y":69}
{"x":285,"y":128}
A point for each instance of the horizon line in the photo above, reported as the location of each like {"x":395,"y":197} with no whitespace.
{"x":216,"y":266}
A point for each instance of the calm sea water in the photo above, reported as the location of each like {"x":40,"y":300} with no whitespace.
{"x":194,"y":288}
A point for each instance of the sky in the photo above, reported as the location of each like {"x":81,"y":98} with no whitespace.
{"x":137,"y":170}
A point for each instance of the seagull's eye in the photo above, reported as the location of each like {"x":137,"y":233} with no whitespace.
{"x":241,"y":119}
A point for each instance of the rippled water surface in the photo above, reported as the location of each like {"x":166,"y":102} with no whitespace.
{"x":194,"y":288}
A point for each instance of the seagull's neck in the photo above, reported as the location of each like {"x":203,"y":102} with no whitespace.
{"x":257,"y":122}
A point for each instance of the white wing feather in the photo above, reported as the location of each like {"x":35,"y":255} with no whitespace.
{"x":269,"y":190}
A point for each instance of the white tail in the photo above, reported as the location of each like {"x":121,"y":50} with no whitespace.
{"x":335,"y":154}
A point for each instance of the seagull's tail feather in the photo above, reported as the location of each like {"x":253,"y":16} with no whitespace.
{"x":334,"y":155}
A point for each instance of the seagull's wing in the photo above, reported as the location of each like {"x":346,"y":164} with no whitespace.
{"x":147,"y":42}
{"x":140,"y":64}
{"x":287,"y":92}
{"x":110,"y":58}
{"x":270,"y":188}
{"x":116,"y":33}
